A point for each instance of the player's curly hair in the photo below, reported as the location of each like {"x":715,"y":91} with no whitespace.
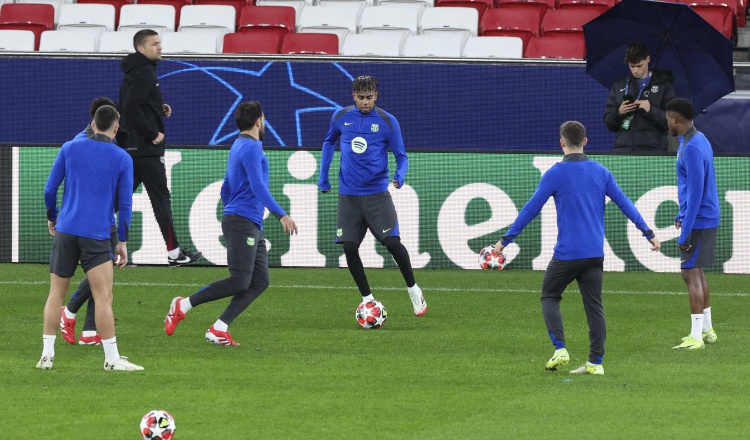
{"x":365,"y":83}
{"x":98,"y":102}
{"x":682,"y":107}
{"x":573,"y":133}
{"x":247,"y":114}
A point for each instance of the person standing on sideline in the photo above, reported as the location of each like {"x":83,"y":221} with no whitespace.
{"x":635,"y":107}
{"x":95,"y":171}
{"x":365,"y":132}
{"x":579,"y":187}
{"x":698,"y":219}
{"x":143,"y":114}
{"x":246,"y":196}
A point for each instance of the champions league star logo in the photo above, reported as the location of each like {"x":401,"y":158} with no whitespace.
{"x":205,"y":94}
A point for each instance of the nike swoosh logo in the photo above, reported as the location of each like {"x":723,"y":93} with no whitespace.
{"x":386,"y":230}
{"x":348,"y":123}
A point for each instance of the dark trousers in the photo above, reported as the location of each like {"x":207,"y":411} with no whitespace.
{"x":588,"y":273}
{"x":150,"y":171}
{"x":247,"y":260}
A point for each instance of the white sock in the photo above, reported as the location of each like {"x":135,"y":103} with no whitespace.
{"x":185,"y":305}
{"x":697,"y":327}
{"x":707,"y":324}
{"x":414,"y":289}
{"x":220,"y":325}
{"x":174,"y":253}
{"x":68,"y":314}
{"x":88,"y":333}
{"x":368,"y":298}
{"x":110,"y":349}
{"x":48,"y":347}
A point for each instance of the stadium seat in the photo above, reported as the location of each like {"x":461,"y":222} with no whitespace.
{"x":12,"y":40}
{"x":600,"y":6}
{"x":116,"y":42}
{"x":328,"y":19}
{"x":298,"y":5}
{"x":461,"y":22}
{"x":424,"y":46}
{"x":480,"y":5}
{"x":252,"y":42}
{"x":190,"y":42}
{"x":69,"y":41}
{"x":559,"y":45}
{"x":524,"y":4}
{"x":278,"y":20}
{"x":362,"y":3}
{"x":317,"y":44}
{"x":159,"y":18}
{"x":407,"y":3}
{"x":176,"y":4}
{"x":566,"y":21}
{"x":493,"y":47}
{"x":117,"y":4}
{"x":512,"y":22}
{"x":216,"y":20}
{"x":56,"y":4}
{"x":384,"y":21}
{"x":28,"y":17}
{"x":372,"y":45}
{"x":236,"y":4}
{"x":90,"y":18}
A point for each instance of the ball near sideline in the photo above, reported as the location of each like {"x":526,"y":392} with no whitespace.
{"x":489,"y":259}
{"x":158,"y":424}
{"x":371,"y":315}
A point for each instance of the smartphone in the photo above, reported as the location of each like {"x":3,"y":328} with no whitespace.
{"x":628,"y":99}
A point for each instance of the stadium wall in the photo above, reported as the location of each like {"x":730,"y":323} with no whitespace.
{"x":452,"y":205}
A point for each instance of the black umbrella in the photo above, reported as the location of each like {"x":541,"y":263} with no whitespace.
{"x":679,"y":40}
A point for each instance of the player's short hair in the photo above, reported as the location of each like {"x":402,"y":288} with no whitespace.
{"x":106,"y":117}
{"x":365,"y":84}
{"x":247,"y":114}
{"x":98,"y":102}
{"x":573,"y":133}
{"x":635,"y":53}
{"x":140,"y":37}
{"x":682,"y":107}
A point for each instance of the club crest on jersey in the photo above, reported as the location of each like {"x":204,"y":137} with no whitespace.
{"x":375,"y":128}
{"x":654,"y":89}
{"x":359,"y":145}
{"x":250,"y":241}
{"x":339,"y":232}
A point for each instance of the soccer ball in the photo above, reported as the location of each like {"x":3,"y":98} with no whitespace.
{"x":371,"y":314}
{"x":491,"y":260}
{"x":157,"y":424}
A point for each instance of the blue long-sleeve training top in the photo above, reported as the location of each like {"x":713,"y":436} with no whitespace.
{"x":578,"y":186}
{"x":95,"y":171}
{"x":696,"y":185}
{"x":245,"y":189}
{"x":365,"y":139}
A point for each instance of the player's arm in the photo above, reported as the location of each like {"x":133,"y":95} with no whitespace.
{"x":695,"y":186}
{"x":530,"y":210}
{"x":138,"y":90}
{"x":225,"y":190}
{"x":396,"y":143}
{"x":251,"y":161}
{"x":326,"y":156}
{"x":125,"y":197}
{"x":615,"y":193}
{"x":55,"y":178}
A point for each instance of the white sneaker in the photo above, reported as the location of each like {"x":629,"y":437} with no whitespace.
{"x":121,"y":364}
{"x":45,"y":363}
{"x":417,"y":300}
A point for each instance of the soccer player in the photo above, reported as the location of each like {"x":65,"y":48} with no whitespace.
{"x":365,"y":132}
{"x":245,"y":195}
{"x":698,"y":218}
{"x":95,"y":171}
{"x":579,"y":187}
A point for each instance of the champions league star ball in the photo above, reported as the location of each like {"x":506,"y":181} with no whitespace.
{"x":157,"y":424}
{"x":371,"y":315}
{"x":491,"y":260}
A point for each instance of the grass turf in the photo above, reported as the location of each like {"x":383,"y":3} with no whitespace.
{"x":472,"y":368}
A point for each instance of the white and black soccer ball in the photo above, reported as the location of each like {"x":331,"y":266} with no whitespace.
{"x":371,"y":315}
{"x":158,"y":424}
{"x":489,"y":259}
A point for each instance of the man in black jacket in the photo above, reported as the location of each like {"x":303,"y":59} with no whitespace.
{"x":635,"y":107}
{"x":143,"y":114}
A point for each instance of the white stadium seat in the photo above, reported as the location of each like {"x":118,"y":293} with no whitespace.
{"x":116,"y":42}
{"x":189,"y":42}
{"x":386,"y":21}
{"x":68,"y":41}
{"x":216,"y":20}
{"x":16,"y":40}
{"x":328,"y":19}
{"x":432,"y":46}
{"x":371,"y":45}
{"x":157,"y":17}
{"x":87,"y":17}
{"x":453,"y":21}
{"x":493,"y":47}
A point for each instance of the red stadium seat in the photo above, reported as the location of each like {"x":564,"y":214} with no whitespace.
{"x":561,"y":45}
{"x":310,"y":43}
{"x":511,"y":22}
{"x":720,"y":17}
{"x":737,"y":7}
{"x":566,"y":21}
{"x":178,"y":4}
{"x":480,"y":5}
{"x":518,"y":4}
{"x":267,"y":19}
{"x":598,"y":5}
{"x":252,"y":42}
{"x":36,"y":18}
{"x":238,"y":5}
{"x":116,"y":3}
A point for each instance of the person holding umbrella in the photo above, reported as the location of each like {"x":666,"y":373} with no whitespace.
{"x":636,"y":103}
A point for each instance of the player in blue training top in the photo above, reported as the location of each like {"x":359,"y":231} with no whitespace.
{"x":95,"y":171}
{"x":698,"y":218}
{"x":245,"y":195}
{"x":580,"y":187}
{"x":365,"y":133}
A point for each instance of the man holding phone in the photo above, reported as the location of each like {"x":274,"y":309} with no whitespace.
{"x":636,"y":103}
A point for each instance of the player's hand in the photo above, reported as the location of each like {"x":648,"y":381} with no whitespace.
{"x":396,"y":184}
{"x":159,"y":139}
{"x":626,"y":108}
{"x":678,"y":224}
{"x":499,"y":247}
{"x":289,"y":226}
{"x":685,"y":247}
{"x":167,"y":110}
{"x":655,"y":244}
{"x":325,"y":190}
{"x":644,"y":104}
{"x":51,"y":227}
{"x":121,"y":254}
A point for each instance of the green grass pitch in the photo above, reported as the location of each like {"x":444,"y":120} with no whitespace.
{"x":473,"y":368}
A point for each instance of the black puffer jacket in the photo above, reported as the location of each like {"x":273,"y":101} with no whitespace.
{"x":648,"y":131}
{"x":141,"y":105}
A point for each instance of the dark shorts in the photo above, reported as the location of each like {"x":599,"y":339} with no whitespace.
{"x":702,"y":249}
{"x":357,"y":214}
{"x":68,"y":250}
